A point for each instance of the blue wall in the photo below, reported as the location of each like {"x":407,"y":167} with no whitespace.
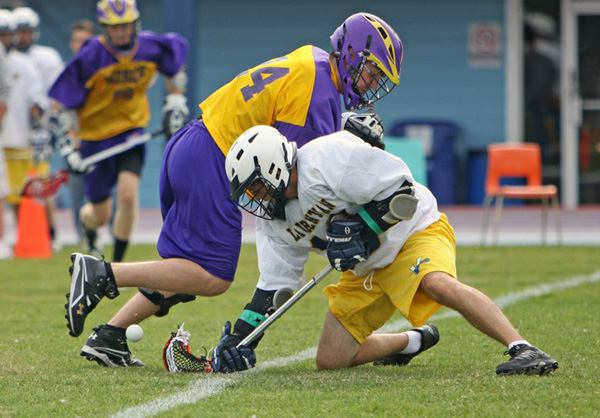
{"x":437,"y":81}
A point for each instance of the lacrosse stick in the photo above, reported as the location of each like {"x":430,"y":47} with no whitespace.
{"x":45,"y":187}
{"x":132,"y":141}
{"x":177,"y":356}
{"x":287,"y":305}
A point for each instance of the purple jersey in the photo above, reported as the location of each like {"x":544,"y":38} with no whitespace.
{"x":201,"y":222}
{"x":108,"y":90}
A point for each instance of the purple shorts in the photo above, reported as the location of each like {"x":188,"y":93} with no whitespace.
{"x":99,"y":183}
{"x":201,"y":222}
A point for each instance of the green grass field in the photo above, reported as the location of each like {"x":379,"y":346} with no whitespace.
{"x":42,"y":374}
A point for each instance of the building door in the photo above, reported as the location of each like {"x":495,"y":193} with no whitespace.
{"x":580,"y":115}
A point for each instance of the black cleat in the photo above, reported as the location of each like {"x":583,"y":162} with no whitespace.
{"x":527,"y":359}
{"x":107,"y":346}
{"x":89,"y":284}
{"x":429,"y":337}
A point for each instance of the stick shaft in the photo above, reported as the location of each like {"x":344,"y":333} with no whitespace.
{"x":287,"y":305}
{"x":132,"y":141}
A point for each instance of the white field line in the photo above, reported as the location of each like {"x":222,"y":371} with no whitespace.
{"x":211,"y":385}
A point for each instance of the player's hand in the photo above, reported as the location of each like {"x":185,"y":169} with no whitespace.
{"x":175,"y":113}
{"x":75,"y":163}
{"x":367,"y":126}
{"x":72,"y":156}
{"x":345,"y":246}
{"x":41,"y":143}
{"x":228,"y":358}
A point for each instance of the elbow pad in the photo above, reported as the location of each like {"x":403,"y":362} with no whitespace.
{"x":380,"y":215}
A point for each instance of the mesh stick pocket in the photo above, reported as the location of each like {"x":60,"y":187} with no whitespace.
{"x":177,"y":356}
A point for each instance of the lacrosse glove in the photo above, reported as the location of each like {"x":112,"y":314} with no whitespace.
{"x":72,"y":156}
{"x":227,"y":358}
{"x":367,"y":126}
{"x":175,"y":113}
{"x":345,"y":245}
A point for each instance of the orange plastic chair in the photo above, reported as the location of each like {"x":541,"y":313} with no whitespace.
{"x":517,"y":160}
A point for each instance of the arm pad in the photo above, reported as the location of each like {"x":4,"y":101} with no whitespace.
{"x":381,"y":215}
{"x":254,"y":313}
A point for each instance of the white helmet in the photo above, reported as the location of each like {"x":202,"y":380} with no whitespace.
{"x":7,"y":24}
{"x":261,"y":153}
{"x":26,"y":17}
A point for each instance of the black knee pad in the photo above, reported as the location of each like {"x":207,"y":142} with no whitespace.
{"x":163,"y":303}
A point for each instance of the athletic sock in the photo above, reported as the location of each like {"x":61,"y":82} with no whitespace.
{"x":91,"y":236}
{"x":119,"y":252}
{"x":518,"y":342}
{"x":414,"y":342}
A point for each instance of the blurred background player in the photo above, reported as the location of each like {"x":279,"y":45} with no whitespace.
{"x":5,"y":251}
{"x":542,"y":102}
{"x":298,"y":94}
{"x":81,"y":31}
{"x":26,"y":102}
{"x":49,"y":64}
{"x":103,"y":89}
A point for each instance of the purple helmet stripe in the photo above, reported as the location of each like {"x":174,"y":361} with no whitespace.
{"x":118,"y":7}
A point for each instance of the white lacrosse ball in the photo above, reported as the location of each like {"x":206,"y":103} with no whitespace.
{"x":134,"y":333}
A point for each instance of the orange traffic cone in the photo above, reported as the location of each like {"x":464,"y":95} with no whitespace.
{"x":33,"y":236}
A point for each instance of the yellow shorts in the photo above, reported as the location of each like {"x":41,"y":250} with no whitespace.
{"x":20,"y":167}
{"x":363,"y":304}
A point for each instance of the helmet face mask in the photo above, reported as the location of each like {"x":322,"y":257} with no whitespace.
{"x":260,"y":197}
{"x":371,"y":84}
{"x":259,"y":166}
{"x":364,"y":38}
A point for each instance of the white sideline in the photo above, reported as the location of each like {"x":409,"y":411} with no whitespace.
{"x":207,"y":386}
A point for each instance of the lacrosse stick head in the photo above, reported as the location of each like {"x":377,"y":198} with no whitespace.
{"x":39,"y":187}
{"x":177,"y":356}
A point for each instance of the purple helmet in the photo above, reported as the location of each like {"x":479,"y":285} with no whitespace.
{"x":365,"y":37}
{"x":119,"y":12}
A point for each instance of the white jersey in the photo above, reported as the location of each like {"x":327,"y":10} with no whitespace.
{"x":4,"y":87}
{"x":48,"y":62}
{"x":26,"y":90}
{"x":336,"y":173}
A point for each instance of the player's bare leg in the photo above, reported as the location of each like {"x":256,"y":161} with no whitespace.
{"x":338,"y":348}
{"x":176,"y":275}
{"x":484,"y":315}
{"x":92,"y":279}
{"x":50,"y":216}
{"x":126,"y":211}
{"x":5,"y":251}
{"x":127,"y":203}
{"x":136,"y":310}
{"x":476,"y":307}
{"x":93,"y":216}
